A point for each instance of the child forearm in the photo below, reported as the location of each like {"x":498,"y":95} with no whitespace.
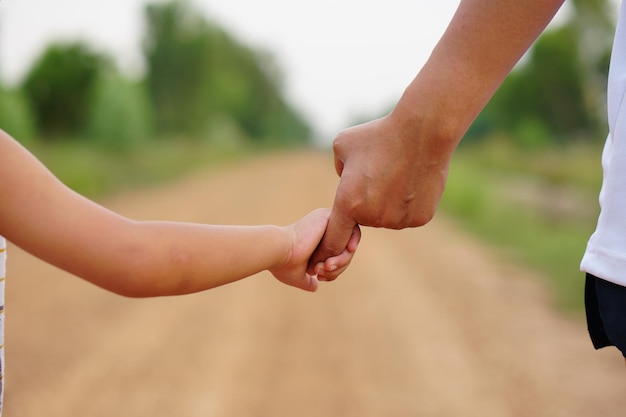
{"x":142,"y":259}
{"x":59,"y":226}
{"x":168,"y":258}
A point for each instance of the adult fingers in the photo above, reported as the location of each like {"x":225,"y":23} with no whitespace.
{"x":336,"y":265}
{"x":338,"y":233}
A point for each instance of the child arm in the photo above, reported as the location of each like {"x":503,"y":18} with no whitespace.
{"x":133,"y":258}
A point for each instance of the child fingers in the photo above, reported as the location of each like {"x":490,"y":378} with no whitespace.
{"x":306,"y":283}
{"x":327,"y":276}
{"x":334,"y":266}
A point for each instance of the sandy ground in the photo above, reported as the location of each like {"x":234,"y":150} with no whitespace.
{"x":427,"y":322}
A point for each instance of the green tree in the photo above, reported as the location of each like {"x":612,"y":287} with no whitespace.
{"x":16,"y":117}
{"x":593,"y":22}
{"x":120,"y":113}
{"x":59,"y":87}
{"x":558,"y":92}
{"x":197,"y":74}
{"x":176,"y":49}
{"x":547,"y":90}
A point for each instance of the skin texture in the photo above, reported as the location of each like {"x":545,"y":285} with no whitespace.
{"x":393,"y":170}
{"x":155,"y":258}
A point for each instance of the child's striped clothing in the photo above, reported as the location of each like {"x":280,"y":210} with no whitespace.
{"x":3,"y":257}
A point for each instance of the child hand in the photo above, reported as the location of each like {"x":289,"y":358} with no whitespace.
{"x":305,"y":235}
{"x":334,"y":266}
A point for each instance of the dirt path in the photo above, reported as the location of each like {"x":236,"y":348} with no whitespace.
{"x":425,"y":323}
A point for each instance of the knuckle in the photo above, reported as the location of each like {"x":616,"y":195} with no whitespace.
{"x":402,"y":219}
{"x":352,"y":206}
{"x":339,"y":141}
{"x":372,"y":217}
{"x":420,"y":219}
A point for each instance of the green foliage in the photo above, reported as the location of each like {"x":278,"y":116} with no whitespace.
{"x":59,"y":87}
{"x":200,"y":83}
{"x":198,"y":74}
{"x":594,"y":21}
{"x":576,"y":164}
{"x":538,"y":207}
{"x":16,"y":117}
{"x":558,"y":92}
{"x":533,"y":134}
{"x":176,"y":51}
{"x":558,"y":88}
{"x":545,"y":96}
{"x":120,"y":113}
{"x":95,"y":171}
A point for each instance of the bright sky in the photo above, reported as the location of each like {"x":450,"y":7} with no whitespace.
{"x":340,"y":58}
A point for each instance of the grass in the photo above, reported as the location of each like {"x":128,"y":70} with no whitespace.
{"x":95,"y":171}
{"x":538,"y":207}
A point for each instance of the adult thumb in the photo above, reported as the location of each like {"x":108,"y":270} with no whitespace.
{"x":335,"y":239}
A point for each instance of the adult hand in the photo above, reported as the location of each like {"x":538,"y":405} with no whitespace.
{"x":393,"y":170}
{"x":389,"y":178}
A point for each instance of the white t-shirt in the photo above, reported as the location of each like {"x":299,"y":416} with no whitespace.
{"x":605,"y":256}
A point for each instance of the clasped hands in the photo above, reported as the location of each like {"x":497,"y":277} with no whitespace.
{"x":389,"y":178}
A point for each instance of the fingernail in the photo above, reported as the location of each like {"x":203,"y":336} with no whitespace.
{"x":312,"y":282}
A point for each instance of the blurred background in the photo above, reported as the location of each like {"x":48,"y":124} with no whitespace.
{"x":117,"y":95}
{"x":112,"y":94}
{"x":330,"y":60}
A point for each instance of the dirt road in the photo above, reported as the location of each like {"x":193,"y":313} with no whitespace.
{"x":427,"y":322}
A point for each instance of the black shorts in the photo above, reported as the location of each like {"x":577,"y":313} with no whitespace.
{"x":605,"y":305}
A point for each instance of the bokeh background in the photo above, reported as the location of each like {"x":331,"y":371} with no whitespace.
{"x":111,"y":94}
{"x":121,"y":96}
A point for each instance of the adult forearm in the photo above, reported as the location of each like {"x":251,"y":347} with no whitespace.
{"x":394,"y":169}
{"x":483,"y":42}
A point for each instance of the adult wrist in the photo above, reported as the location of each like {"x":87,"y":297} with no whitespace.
{"x":428,"y":125}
